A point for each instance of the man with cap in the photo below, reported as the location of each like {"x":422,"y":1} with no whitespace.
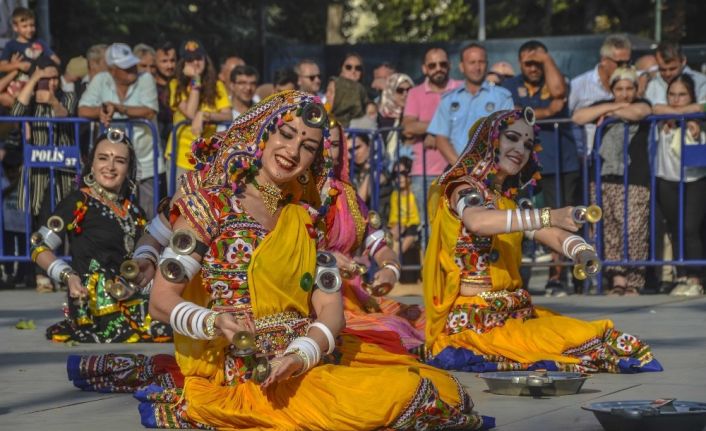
{"x":121,"y":93}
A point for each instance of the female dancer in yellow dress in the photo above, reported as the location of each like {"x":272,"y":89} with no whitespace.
{"x":478,"y":316}
{"x":255,"y":250}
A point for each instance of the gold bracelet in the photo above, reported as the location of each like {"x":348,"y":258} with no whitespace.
{"x":546,"y":217}
{"x":37,"y":251}
{"x":210,"y":325}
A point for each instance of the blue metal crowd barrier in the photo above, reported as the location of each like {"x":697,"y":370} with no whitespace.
{"x":691,"y":156}
{"x":62,"y":157}
{"x":55,"y":157}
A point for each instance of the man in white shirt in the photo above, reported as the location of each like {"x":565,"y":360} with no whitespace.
{"x":672,"y":62}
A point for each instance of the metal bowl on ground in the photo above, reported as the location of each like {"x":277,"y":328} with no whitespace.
{"x":534,"y":383}
{"x":650,"y":415}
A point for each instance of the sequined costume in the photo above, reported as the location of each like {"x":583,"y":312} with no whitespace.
{"x":359,"y":386}
{"x":101,"y":235}
{"x":345,"y":229}
{"x":501,"y":329}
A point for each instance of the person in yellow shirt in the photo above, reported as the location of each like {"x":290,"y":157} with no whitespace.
{"x":195,"y":95}
{"x":404,"y":213}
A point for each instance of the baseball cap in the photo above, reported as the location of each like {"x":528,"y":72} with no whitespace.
{"x":192,"y":49}
{"x":120,"y":55}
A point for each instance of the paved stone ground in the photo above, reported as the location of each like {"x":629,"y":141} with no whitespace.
{"x":35,"y":395}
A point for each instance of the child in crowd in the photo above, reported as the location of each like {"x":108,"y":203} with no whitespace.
{"x":21,"y":53}
{"x":404,"y":218}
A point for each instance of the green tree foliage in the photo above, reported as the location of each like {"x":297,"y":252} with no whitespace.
{"x":447,"y":20}
{"x":224,"y":26}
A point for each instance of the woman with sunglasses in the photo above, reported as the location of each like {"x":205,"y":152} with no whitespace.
{"x":352,"y":67}
{"x":196,"y":95}
{"x":390,"y":110}
{"x":101,"y":223}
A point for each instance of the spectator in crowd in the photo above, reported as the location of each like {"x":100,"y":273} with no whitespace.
{"x":627,"y":108}
{"x":196,"y":95}
{"x":542,"y":86}
{"x":671,"y":63}
{"x":165,"y":62}
{"x":422,"y":100}
{"x":41,"y":96}
{"x":147,"y":56}
{"x":362,"y":173}
{"x":647,"y":69}
{"x":593,"y":85}
{"x":347,"y":99}
{"x":241,"y":86}
{"x":499,"y":72}
{"x":681,"y":93}
{"x":122,"y":94}
{"x":459,"y":109}
{"x":100,"y":222}
{"x":286,"y":79}
{"x":24,"y":50}
{"x":95,"y":55}
{"x":308,"y":76}
{"x":404,"y":218}
{"x":352,"y":67}
{"x":390,"y":110}
{"x":380,"y":75}
{"x":227,"y":65}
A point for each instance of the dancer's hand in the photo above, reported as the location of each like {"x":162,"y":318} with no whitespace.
{"x":76,"y":289}
{"x":383,"y":281}
{"x":227,"y":324}
{"x":283,"y":368}
{"x":147,"y":272}
{"x":563,"y":218}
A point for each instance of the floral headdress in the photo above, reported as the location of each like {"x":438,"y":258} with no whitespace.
{"x":234,"y":158}
{"x":480,"y":157}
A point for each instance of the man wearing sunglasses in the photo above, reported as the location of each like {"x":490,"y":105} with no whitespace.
{"x":422,"y":101}
{"x":308,"y":76}
{"x":593,"y":86}
{"x":462,"y":107}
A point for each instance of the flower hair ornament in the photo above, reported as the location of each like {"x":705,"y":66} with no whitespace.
{"x":481,"y":156}
{"x":234,"y":158}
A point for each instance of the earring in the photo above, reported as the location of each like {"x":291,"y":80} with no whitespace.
{"x":303,"y":178}
{"x":89,"y":180}
{"x":133,"y":188}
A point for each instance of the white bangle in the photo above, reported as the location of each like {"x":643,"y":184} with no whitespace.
{"x":520,"y":225}
{"x":159,"y":231}
{"x":327,"y":332}
{"x":537,"y":219}
{"x":50,"y":238}
{"x":567,"y":242}
{"x":394,"y":269}
{"x":56,"y":268}
{"x":174,"y":315}
{"x":146,"y":251}
{"x":528,"y":220}
{"x":508,"y":222}
{"x":460,"y":206}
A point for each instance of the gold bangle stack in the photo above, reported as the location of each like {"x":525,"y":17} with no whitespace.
{"x":37,"y":251}
{"x":546,"y":217}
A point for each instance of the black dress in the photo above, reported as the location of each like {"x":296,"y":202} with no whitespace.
{"x":101,"y":236}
